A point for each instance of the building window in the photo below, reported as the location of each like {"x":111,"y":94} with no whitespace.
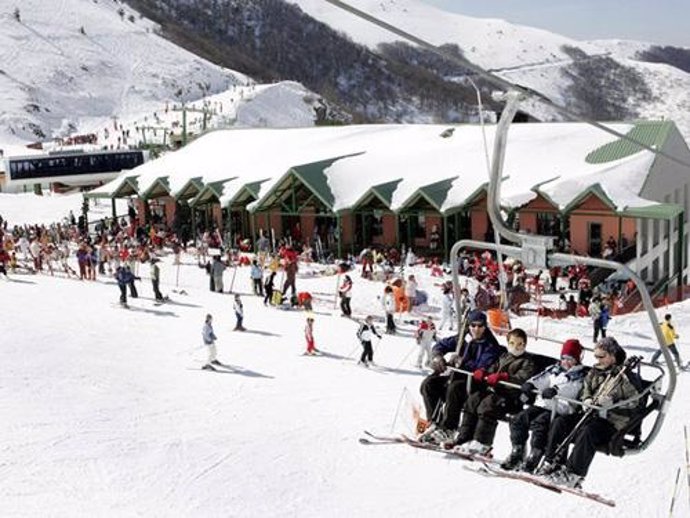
{"x":548,"y":224}
{"x":644,"y":273}
{"x":655,"y":270}
{"x":644,"y":236}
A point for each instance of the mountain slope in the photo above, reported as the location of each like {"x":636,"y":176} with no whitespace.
{"x":601,"y":79}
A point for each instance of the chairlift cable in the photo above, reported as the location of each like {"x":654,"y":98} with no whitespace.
{"x":499,"y":81}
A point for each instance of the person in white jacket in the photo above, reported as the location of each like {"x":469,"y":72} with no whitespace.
{"x":366,"y":333}
{"x":447,"y":310}
{"x":389,"y":308}
{"x":565,"y":380}
{"x":209,"y":338}
{"x":426,"y":335}
{"x":239,"y":313}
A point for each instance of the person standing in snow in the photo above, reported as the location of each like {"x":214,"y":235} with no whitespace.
{"x":239,"y":313}
{"x":124,"y":277}
{"x":365,"y":333}
{"x":563,"y":379}
{"x":447,"y":313}
{"x":217,"y":269}
{"x":257,"y":278}
{"x":389,"y":308}
{"x":670,"y":337}
{"x":309,"y":336}
{"x":426,"y":335}
{"x":209,"y":338}
{"x":345,"y":292}
{"x":268,"y":287}
{"x":155,"y":279}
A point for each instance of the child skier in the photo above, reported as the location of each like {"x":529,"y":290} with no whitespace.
{"x":209,"y":341}
{"x":309,"y":336}
{"x":364,"y":333}
{"x":239,"y":313}
{"x":426,"y":335}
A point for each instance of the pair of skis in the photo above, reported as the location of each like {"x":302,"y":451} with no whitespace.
{"x":484,"y":465}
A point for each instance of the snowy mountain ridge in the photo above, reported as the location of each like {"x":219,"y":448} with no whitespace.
{"x":72,"y":66}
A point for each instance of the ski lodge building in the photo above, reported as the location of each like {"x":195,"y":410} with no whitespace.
{"x":425,"y":186}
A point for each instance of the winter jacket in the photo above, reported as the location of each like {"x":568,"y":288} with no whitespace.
{"x":669,"y":333}
{"x":519,"y":368}
{"x":345,"y":290}
{"x":389,"y":303}
{"x":124,"y":276}
{"x":447,"y":304}
{"x":426,"y":333}
{"x":567,"y":382}
{"x":208,"y":334}
{"x":475,"y":354}
{"x":217,"y":268}
{"x":255,"y":272}
{"x":366,"y":332}
{"x":604,"y":317}
{"x":238,"y":307}
{"x":623,"y":389}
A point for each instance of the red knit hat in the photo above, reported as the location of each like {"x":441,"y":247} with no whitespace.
{"x":572,"y":348}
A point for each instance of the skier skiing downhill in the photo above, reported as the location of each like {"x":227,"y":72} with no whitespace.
{"x":365,"y":333}
{"x":209,"y":338}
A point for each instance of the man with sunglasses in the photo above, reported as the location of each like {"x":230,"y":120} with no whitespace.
{"x":598,"y":430}
{"x":479,"y":352}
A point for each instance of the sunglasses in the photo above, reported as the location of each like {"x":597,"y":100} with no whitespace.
{"x":599,"y":356}
{"x":477,"y":324}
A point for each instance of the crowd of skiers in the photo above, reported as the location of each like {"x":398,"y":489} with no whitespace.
{"x":476,"y":383}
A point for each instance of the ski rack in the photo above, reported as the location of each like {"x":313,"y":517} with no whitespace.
{"x":537,"y":252}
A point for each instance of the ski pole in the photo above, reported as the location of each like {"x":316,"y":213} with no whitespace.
{"x":402,"y":362}
{"x":687,"y":459}
{"x":675,"y":492}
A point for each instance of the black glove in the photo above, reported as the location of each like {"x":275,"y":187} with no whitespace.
{"x":549,"y":393}
{"x":528,"y":394}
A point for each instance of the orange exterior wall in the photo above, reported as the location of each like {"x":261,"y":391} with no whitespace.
{"x":591,"y":210}
{"x":480,"y":219}
{"x":528,"y":213}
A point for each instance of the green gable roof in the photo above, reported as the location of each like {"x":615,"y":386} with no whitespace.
{"x":652,"y":133}
{"x":314,"y":177}
{"x":190,"y":189}
{"x":212,"y":191}
{"x":434,"y":193}
{"x":385,"y":190}
{"x":160,"y":187}
{"x":129,"y":187}
{"x":246,"y":194}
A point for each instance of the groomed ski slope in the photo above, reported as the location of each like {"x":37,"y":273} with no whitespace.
{"x":106,"y":413}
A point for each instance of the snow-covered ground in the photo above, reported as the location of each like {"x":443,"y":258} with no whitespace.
{"x":106,"y":413}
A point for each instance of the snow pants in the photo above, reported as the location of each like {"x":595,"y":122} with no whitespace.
{"x":533,"y":419}
{"x":594,"y":433}
{"x":480,"y":417}
{"x":673,"y":350}
{"x":211,"y":353}
{"x":446,"y":318}
{"x":367,"y":353}
{"x":424,"y":349}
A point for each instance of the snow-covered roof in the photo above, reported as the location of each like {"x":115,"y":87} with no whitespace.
{"x":547,"y":158}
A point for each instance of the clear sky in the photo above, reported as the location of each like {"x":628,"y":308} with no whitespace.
{"x":665,"y":22}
